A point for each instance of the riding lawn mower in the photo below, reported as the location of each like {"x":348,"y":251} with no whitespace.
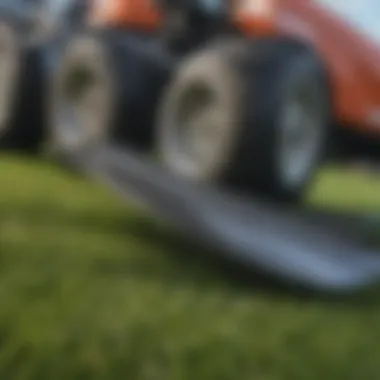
{"x":207,"y":109}
{"x":252,"y":95}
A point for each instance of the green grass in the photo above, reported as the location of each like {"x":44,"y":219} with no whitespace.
{"x":93,"y":289}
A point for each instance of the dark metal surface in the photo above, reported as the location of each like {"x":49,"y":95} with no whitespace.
{"x":279,"y":241}
{"x":22,"y":8}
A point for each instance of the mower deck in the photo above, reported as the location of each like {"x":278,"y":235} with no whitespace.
{"x":280,"y":242}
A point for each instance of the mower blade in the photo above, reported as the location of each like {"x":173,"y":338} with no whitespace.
{"x":275,"y":240}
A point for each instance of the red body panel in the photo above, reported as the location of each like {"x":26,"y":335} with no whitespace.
{"x":351,"y":54}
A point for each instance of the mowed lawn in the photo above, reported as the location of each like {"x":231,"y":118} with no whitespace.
{"x":91,"y":288}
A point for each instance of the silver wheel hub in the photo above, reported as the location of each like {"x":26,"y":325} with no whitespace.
{"x":80,"y":123}
{"x":301,"y":136}
{"x":200,"y":139}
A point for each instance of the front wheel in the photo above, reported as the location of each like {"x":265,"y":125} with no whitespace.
{"x":254,"y":121}
{"x":104,"y":91}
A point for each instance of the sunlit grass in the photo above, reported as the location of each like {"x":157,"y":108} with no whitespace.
{"x":91,"y":288}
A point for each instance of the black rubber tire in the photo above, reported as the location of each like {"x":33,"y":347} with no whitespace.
{"x":130,"y":81}
{"x":188,"y":24}
{"x":250,"y":81}
{"x":22,"y":126}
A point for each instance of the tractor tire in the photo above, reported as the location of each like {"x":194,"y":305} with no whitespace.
{"x":104,"y":92}
{"x":21,"y":90}
{"x":234,"y":112}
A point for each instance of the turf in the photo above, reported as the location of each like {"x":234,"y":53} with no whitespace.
{"x":91,"y":288}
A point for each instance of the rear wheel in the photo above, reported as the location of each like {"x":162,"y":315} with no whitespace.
{"x":21,"y":93}
{"x":250,"y":117}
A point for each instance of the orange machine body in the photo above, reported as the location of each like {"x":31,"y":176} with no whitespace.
{"x":347,"y":39}
{"x":345,"y":33}
{"x":139,"y":14}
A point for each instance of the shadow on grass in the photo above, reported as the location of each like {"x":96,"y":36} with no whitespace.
{"x":179,"y":259}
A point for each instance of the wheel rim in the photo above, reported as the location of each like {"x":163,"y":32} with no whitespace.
{"x":83,"y":98}
{"x":301,"y":137}
{"x":198,"y":133}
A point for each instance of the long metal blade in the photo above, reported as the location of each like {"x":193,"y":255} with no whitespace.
{"x":275,"y":240}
